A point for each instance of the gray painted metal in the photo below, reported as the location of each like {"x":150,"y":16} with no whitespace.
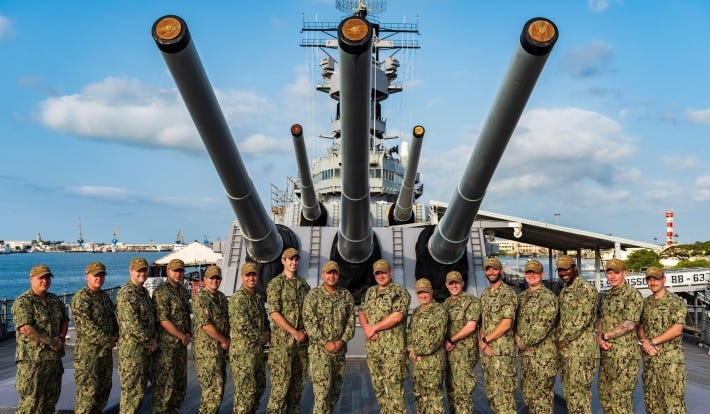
{"x":263,"y":242}
{"x":355,"y":240}
{"x":309,"y":203}
{"x":403,"y":207}
{"x":448,"y":242}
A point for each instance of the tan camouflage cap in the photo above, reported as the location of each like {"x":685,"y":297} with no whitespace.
{"x":565,"y":262}
{"x":454,"y":276}
{"x":176,"y":264}
{"x":654,"y":273}
{"x":213,"y":270}
{"x":95,"y":268}
{"x":249,"y":267}
{"x":615,"y":265}
{"x":492,"y":262}
{"x":533,"y":266}
{"x":40,"y":270}
{"x":423,"y":285}
{"x":289,"y":253}
{"x":138,"y":263}
{"x":380,"y":266}
{"x":331,"y":265}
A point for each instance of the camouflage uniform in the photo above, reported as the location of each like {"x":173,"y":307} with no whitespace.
{"x":536,"y":319}
{"x":578,"y":358}
{"x":327,"y":318}
{"x":425,"y":339}
{"x":499,"y":370}
{"x":170,"y":360}
{"x":387,"y":356}
{"x":664,"y":374}
{"x":619,"y":367}
{"x":249,"y":324}
{"x":288,"y":360}
{"x":461,"y":361}
{"x":210,"y":359}
{"x":96,"y":325}
{"x":39,"y":368}
{"x":136,"y":331}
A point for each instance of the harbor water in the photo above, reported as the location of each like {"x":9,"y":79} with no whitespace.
{"x":67,"y":268}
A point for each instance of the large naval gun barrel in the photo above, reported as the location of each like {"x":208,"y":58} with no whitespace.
{"x":263,"y":242}
{"x":355,"y":235}
{"x":311,"y":209}
{"x":448,"y":242}
{"x":405,"y":199}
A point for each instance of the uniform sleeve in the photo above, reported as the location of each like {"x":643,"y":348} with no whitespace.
{"x":581,"y":310}
{"x":22,"y":313}
{"x":129,"y":317}
{"x":239,"y":318}
{"x":509,"y":305}
{"x":201,"y":312}
{"x":432,"y":326}
{"x":400,"y":302}
{"x":273,"y":296}
{"x":679,"y":311}
{"x":311,"y":319}
{"x":350,"y":312}
{"x":632,"y":311}
{"x":545,"y":310}
{"x":94,"y":331}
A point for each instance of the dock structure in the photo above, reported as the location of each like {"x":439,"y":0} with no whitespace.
{"x":357,"y":397}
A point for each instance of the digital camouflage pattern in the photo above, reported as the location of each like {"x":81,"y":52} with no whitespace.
{"x":288,"y":360}
{"x":96,"y":325}
{"x":387,"y":356}
{"x":327,"y":318}
{"x":536,"y":322}
{"x":39,"y":368}
{"x":425,"y":339}
{"x":249,"y":332}
{"x":461,"y":361}
{"x":663,"y":377}
{"x":170,"y":360}
{"x":578,"y":358}
{"x":136,"y":331}
{"x":210,"y":359}
{"x":619,"y":366}
{"x":499,"y":370}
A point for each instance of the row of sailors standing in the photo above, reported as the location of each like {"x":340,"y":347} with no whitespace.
{"x":311,"y":329}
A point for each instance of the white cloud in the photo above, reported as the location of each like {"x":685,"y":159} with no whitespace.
{"x":259,"y":143}
{"x":130,"y":112}
{"x":699,"y":116}
{"x":101,"y":192}
{"x":701,"y":192}
{"x":597,"y":5}
{"x":113,"y":194}
{"x":681,"y":163}
{"x":590,"y":60}
{"x":5,"y":27}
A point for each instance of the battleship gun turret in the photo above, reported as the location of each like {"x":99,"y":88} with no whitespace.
{"x":263,"y":242}
{"x":402,"y":212}
{"x":311,"y":212}
{"x":448,"y":242}
{"x":355,"y":238}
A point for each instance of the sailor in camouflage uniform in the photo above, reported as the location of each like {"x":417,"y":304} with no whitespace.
{"x":498,"y":362}
{"x":661,"y":332}
{"x":41,"y":324}
{"x":172,"y":311}
{"x":578,"y":352}
{"x":96,"y":335}
{"x":535,"y":338}
{"x":464,"y":312}
{"x":382,"y":318}
{"x":616,"y":336}
{"x":211,"y":319}
{"x":136,"y":337}
{"x":288,"y":354}
{"x":250,"y":332}
{"x":329,"y":317}
{"x":425,"y":345}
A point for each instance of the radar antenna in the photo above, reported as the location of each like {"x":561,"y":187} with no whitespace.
{"x":80,"y":239}
{"x":361,"y":7}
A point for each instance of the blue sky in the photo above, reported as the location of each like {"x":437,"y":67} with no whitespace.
{"x":614,"y":134}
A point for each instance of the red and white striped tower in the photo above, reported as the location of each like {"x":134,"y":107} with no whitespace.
{"x":669,"y":228}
